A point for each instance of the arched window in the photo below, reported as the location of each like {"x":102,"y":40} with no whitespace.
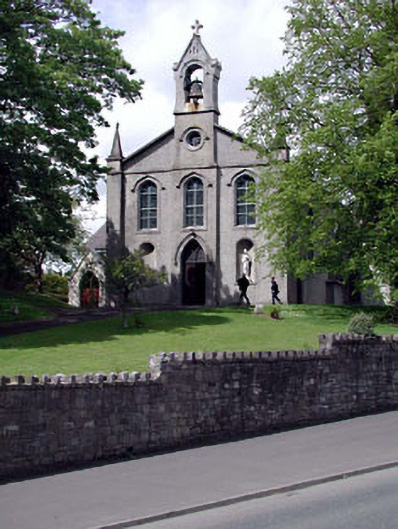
{"x":244,"y":207}
{"x":193,"y":203}
{"x":148,"y":206}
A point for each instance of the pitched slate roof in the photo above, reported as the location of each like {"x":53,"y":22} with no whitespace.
{"x":97,"y":241}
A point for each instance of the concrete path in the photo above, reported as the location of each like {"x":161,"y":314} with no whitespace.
{"x":118,"y":495}
{"x":62,"y":317}
{"x":59,"y":319}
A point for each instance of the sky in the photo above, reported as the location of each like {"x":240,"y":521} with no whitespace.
{"x":244,"y":35}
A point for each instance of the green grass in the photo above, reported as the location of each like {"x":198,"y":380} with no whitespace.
{"x":103,"y":346}
{"x":30,"y":306}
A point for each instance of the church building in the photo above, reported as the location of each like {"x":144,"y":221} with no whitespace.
{"x":183,"y":200}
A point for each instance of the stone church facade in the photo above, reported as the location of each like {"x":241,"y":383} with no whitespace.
{"x":182,"y":199}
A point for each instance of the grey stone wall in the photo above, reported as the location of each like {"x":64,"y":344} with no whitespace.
{"x":190,"y":398}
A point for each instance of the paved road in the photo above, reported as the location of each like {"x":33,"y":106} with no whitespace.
{"x":104,"y":496}
{"x":362,"y":502}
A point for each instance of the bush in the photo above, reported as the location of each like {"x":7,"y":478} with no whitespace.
{"x":274,"y":312}
{"x":362,"y":324}
{"x":53,"y":285}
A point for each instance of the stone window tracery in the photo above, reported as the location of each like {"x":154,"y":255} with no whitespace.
{"x":244,"y":207}
{"x":193,"y":202}
{"x":148,"y":206}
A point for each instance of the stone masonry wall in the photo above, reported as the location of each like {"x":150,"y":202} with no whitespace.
{"x":190,"y":398}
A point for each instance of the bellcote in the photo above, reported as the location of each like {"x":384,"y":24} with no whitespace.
{"x":196,"y":76}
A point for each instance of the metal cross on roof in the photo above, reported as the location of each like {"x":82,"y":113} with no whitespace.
{"x":197,"y":27}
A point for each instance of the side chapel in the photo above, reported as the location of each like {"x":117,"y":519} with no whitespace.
{"x":182,"y":199}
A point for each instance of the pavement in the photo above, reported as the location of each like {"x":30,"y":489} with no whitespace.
{"x":60,"y":318}
{"x":127,"y":494}
{"x":63,"y":317}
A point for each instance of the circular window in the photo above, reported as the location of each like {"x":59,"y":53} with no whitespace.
{"x":194,"y":139}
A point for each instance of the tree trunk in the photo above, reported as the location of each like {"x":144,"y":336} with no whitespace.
{"x":394,"y":312}
{"x":124,"y":308}
{"x":39,"y":276}
{"x":124,"y":317}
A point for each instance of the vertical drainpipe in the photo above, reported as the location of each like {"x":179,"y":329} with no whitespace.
{"x":218,"y":222}
{"x":122,"y":209}
{"x":218,"y":237}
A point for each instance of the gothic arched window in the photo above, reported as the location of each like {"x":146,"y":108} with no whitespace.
{"x":148,"y":206}
{"x":193,"y":202}
{"x":244,"y":207}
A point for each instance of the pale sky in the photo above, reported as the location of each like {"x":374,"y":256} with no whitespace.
{"x":244,"y":35}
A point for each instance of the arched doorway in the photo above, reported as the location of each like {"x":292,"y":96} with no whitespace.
{"x":193,"y":268}
{"x":89,"y":290}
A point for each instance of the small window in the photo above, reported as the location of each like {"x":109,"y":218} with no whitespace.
{"x":193,"y":207}
{"x":245,"y":209}
{"x":148,"y":206}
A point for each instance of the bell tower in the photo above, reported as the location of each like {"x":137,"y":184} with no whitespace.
{"x":196,"y":76}
{"x":196,"y":108}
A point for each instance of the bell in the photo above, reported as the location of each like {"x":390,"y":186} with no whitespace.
{"x":196,"y":91}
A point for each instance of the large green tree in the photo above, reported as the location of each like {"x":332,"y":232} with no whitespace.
{"x":334,"y":206}
{"x":59,"y":69}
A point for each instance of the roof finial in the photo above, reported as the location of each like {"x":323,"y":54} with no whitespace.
{"x":116,"y":152}
{"x":197,"y":27}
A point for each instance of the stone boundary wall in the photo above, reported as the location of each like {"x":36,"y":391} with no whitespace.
{"x":189,"y":398}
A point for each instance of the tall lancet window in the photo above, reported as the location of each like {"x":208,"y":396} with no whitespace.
{"x":193,"y":203}
{"x":148,"y":206}
{"x":244,"y":207}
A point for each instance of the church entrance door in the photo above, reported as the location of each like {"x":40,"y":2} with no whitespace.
{"x":89,"y":290}
{"x":193,"y":268}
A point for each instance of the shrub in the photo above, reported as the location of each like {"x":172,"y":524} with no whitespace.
{"x":362,"y":324}
{"x":53,"y":285}
{"x":274,"y":312}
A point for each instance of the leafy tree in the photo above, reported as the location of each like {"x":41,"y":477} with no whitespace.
{"x":74,"y":250}
{"x":128,"y":274}
{"x":59,"y":68}
{"x":335,"y":104}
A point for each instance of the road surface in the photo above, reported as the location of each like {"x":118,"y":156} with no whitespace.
{"x":114,"y":495}
{"x":368,"y":501}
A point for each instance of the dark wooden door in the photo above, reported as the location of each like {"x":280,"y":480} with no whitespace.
{"x":193,"y":268}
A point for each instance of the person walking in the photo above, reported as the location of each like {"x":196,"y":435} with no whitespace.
{"x":243,"y":284}
{"x":275,"y":291}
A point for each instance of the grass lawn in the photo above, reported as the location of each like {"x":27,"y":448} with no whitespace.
{"x":103,"y":346}
{"x":30,"y":306}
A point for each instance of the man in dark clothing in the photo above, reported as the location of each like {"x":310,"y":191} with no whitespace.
{"x":275,"y":291}
{"x":243,"y":284}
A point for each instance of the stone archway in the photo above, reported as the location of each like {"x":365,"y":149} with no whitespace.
{"x":193,"y":274}
{"x":89,"y":290}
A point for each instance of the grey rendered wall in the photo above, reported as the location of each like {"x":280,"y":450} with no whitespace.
{"x":170,"y":237}
{"x":157,"y":156}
